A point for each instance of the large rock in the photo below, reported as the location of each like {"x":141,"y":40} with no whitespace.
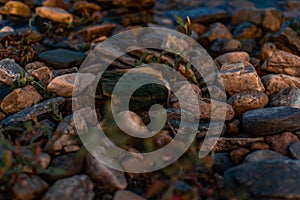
{"x":271,"y":179}
{"x":41,"y":111}
{"x":275,"y":83}
{"x":247,"y":100}
{"x":267,"y":121}
{"x":29,"y":187}
{"x":74,"y":188}
{"x":281,"y":142}
{"x":54,"y":14}
{"x":282,"y":62}
{"x":62,"y":58}
{"x":10,"y":71}
{"x":240,"y":77}
{"x":264,"y":155}
{"x":20,"y":99}
{"x":289,"y":96}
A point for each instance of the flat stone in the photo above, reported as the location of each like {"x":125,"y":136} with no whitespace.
{"x":62,"y":58}
{"x":225,"y":45}
{"x":295,"y":150}
{"x":19,"y":99}
{"x":54,"y":14}
{"x":281,"y":142}
{"x":218,"y":30}
{"x":232,"y":57}
{"x":267,"y":121}
{"x":10,"y":71}
{"x":41,"y":110}
{"x":247,"y":100}
{"x":100,"y":173}
{"x":240,"y":77}
{"x":275,"y":83}
{"x":271,"y":179}
{"x":125,"y":195}
{"x":29,"y":187}
{"x":282,"y":62}
{"x":289,"y":96}
{"x":222,"y":162}
{"x":264,"y":155}
{"x":73,"y":188}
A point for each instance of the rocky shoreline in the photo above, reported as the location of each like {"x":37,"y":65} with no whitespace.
{"x":257,"y":52}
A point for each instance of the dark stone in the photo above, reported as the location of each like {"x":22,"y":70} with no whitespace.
{"x":4,"y":90}
{"x":247,"y":30}
{"x":267,"y":121}
{"x":41,"y":111}
{"x":224,"y":45}
{"x":264,"y":155}
{"x":222,"y":162}
{"x":271,"y":179}
{"x":295,"y":150}
{"x":248,"y":45}
{"x":62,"y":58}
{"x":63,"y":166}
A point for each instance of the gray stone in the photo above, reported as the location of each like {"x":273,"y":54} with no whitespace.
{"x":271,"y":179}
{"x":222,"y":162}
{"x":10,"y":71}
{"x":74,"y":188}
{"x":62,"y":58}
{"x":264,"y":155}
{"x":295,"y":150}
{"x":289,"y":96}
{"x":41,"y":111}
{"x":267,"y":121}
{"x":281,"y":142}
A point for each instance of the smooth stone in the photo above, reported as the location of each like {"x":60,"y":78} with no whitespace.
{"x":4,"y":90}
{"x":29,"y":187}
{"x":15,"y":8}
{"x":282,"y":62}
{"x":218,"y":30}
{"x":281,"y":142}
{"x":10,"y":71}
{"x":222,"y":162}
{"x":126,"y":195}
{"x":56,"y":4}
{"x":275,"y":83}
{"x":62,"y":58}
{"x":100,"y":173}
{"x":63,"y":166}
{"x":63,"y":85}
{"x":272,"y":179}
{"x":247,"y":31}
{"x":74,"y":188}
{"x":294,"y":150}
{"x":54,"y":14}
{"x":264,"y":155}
{"x":41,"y":111}
{"x":267,"y":121}
{"x":247,"y":100}
{"x":232,"y":57}
{"x":225,"y":45}
{"x":237,"y":156}
{"x":240,"y":77}
{"x":289,"y":96}
{"x":19,"y":99}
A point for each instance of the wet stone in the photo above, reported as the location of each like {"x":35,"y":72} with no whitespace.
{"x":280,"y":179}
{"x":74,"y":188}
{"x":294,"y":150}
{"x":264,"y":155}
{"x":289,"y":96}
{"x":281,"y":142}
{"x":62,"y":58}
{"x":267,"y":121}
{"x":9,"y":71}
{"x":41,"y":110}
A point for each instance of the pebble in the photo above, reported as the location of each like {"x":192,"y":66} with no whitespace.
{"x":282,"y":62}
{"x":232,"y":57}
{"x":279,"y":179}
{"x":218,"y":30}
{"x":43,"y":74}
{"x":10,"y":71}
{"x":264,"y":155}
{"x":19,"y":99}
{"x":275,"y":83}
{"x":29,"y":187}
{"x":247,"y":100}
{"x":237,"y":156}
{"x":62,"y":58}
{"x":56,"y":4}
{"x":240,"y":77}
{"x":225,"y":45}
{"x":54,"y":14}
{"x":268,"y":121}
{"x":289,"y":96}
{"x":40,"y":111}
{"x":255,"y":146}
{"x":233,"y":127}
{"x":125,"y":195}
{"x":247,"y":31}
{"x":281,"y":142}
{"x":15,"y":8}
{"x":63,"y":85}
{"x":294,"y":150}
{"x":73,"y":188}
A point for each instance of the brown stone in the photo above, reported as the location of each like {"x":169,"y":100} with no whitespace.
{"x":218,"y":30}
{"x":267,"y":50}
{"x":232,"y":57}
{"x":247,"y":31}
{"x":34,"y":65}
{"x":288,"y":40}
{"x":233,"y":127}
{"x":237,"y":156}
{"x":20,"y":99}
{"x":289,"y":96}
{"x":247,"y":100}
{"x":93,"y":32}
{"x":54,"y":14}
{"x":63,"y":85}
{"x":272,"y":20}
{"x":85,"y":8}
{"x":251,"y":15}
{"x":282,"y":62}
{"x":43,"y":74}
{"x":15,"y":8}
{"x":56,"y":4}
{"x":281,"y":142}
{"x":255,"y":146}
{"x":275,"y":83}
